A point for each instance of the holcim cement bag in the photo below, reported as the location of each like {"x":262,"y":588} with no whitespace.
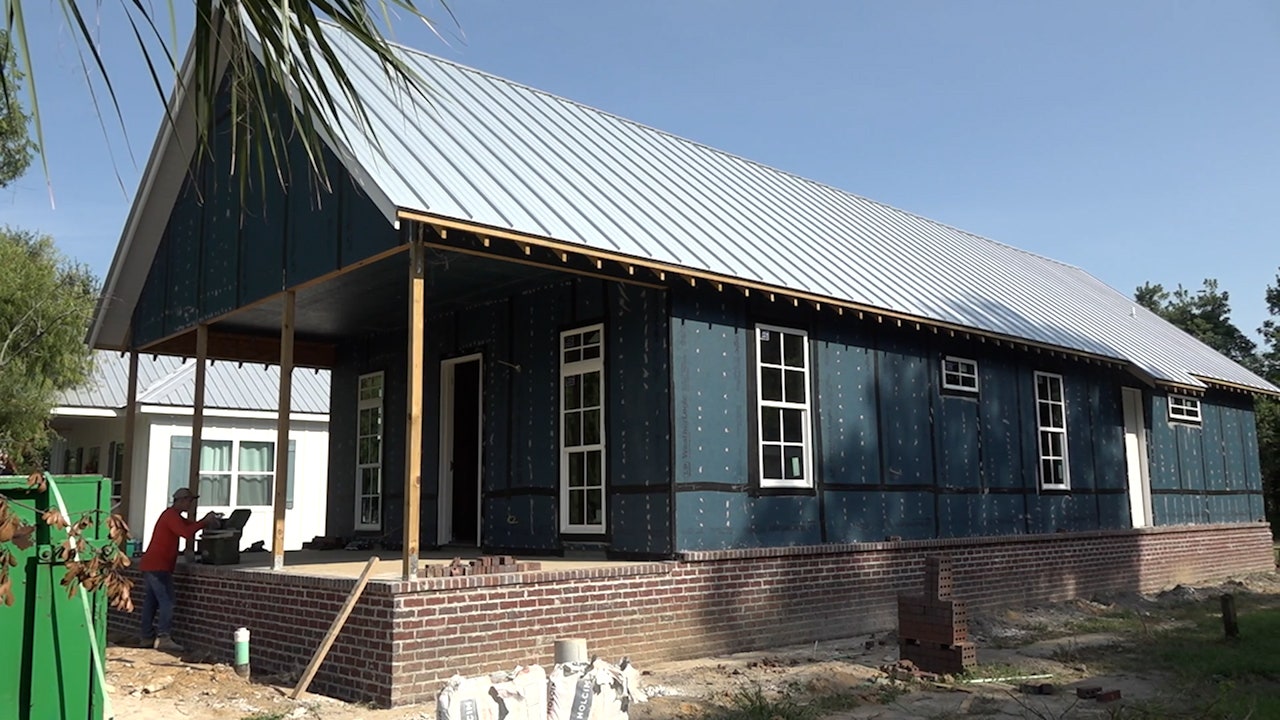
{"x":522,"y":694}
{"x":595,"y":691}
{"x":467,"y":699}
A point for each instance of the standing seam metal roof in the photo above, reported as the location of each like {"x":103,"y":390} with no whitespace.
{"x":494,"y":153}
{"x":169,"y":380}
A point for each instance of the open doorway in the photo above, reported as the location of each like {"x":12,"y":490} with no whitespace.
{"x":461,"y":391}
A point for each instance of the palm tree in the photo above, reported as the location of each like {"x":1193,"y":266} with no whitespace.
{"x":267,"y":55}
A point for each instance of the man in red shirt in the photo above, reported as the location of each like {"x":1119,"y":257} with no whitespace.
{"x":157,"y":569}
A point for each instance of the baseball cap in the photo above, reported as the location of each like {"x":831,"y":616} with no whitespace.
{"x":181,"y":493}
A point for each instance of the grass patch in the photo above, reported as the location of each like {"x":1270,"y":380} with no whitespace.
{"x":753,"y":703}
{"x":1219,"y":679}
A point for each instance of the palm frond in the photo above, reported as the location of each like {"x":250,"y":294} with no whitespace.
{"x":269,"y":66}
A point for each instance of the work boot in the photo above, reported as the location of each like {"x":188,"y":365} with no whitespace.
{"x":166,"y":644}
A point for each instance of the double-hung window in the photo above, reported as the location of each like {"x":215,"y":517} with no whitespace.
{"x":1051,"y":417}
{"x":233,"y":473}
{"x":783,"y":408}
{"x":1184,"y":409}
{"x":582,"y":487}
{"x":369,"y":452}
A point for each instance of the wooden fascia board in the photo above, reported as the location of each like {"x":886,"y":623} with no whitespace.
{"x":720,"y":281}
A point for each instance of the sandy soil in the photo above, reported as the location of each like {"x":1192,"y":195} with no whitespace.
{"x":150,"y":685}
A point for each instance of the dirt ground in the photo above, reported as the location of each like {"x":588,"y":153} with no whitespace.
{"x":1012,"y":652}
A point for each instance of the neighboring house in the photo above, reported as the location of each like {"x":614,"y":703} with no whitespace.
{"x":237,"y":465}
{"x":636,"y":343}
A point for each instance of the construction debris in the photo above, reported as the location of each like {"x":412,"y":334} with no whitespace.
{"x":597,"y":690}
{"x":933,"y":629}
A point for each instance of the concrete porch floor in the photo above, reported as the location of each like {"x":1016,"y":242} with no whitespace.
{"x":350,"y":563}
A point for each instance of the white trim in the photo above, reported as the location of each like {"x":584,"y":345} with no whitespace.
{"x":1137,"y":464}
{"x":242,"y":414}
{"x":444,"y":498}
{"x":67,"y":411}
{"x":1188,"y":410}
{"x":1041,"y":429}
{"x":808,"y":477}
{"x":962,"y":362}
{"x":575,"y":369}
{"x":381,"y":405}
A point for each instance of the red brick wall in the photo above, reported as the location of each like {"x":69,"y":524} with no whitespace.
{"x":406,"y":637}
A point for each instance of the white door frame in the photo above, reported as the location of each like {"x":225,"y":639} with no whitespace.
{"x":444,"y":498}
{"x":1135,"y":456}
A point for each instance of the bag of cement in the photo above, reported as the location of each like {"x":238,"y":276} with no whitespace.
{"x":467,"y":699}
{"x":522,"y":694}
{"x":596,"y":691}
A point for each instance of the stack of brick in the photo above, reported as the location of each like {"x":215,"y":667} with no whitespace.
{"x":484,"y":565}
{"x":933,"y":629}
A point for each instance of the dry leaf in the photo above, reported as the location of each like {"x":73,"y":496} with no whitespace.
{"x":22,"y":538}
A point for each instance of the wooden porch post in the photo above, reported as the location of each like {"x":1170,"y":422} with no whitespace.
{"x":282,"y":430}
{"x":197,"y":425}
{"x":125,"y":471}
{"x":413,"y":405}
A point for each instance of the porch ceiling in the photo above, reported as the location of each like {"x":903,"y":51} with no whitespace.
{"x":375,"y":297}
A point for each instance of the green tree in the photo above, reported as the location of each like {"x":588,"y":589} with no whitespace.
{"x":1205,"y":314}
{"x":15,"y":141}
{"x":45,"y":305}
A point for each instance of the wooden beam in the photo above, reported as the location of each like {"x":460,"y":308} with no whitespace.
{"x":125,"y":471}
{"x":283,"y":410}
{"x":197,"y":426}
{"x":243,"y":347}
{"x":413,"y":410}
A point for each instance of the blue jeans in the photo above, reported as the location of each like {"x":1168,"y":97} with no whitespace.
{"x":157,"y":605}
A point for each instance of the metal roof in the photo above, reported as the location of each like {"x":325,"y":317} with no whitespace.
{"x":494,"y":154}
{"x":488,"y":151}
{"x":170,"y":380}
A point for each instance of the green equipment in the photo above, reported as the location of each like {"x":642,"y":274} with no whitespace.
{"x":54,"y":644}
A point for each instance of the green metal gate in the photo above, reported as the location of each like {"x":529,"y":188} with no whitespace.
{"x":48,"y":638}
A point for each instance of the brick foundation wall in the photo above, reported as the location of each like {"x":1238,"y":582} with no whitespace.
{"x":404,"y":638}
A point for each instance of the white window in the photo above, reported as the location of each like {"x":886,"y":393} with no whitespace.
{"x":1184,"y":409}
{"x":233,"y":473}
{"x":959,"y":374}
{"x":582,"y":430}
{"x":782,"y":382}
{"x":1051,"y":416}
{"x":369,"y":453}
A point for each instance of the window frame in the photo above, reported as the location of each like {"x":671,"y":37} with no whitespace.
{"x":1184,"y":416}
{"x":1041,"y":429}
{"x":809,"y":478}
{"x":362,"y":404}
{"x":957,"y":388}
{"x":233,"y":475}
{"x":577,"y":369}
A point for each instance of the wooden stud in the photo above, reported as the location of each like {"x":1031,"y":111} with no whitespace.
{"x":284,"y":409}
{"x":484,"y":240}
{"x":795,"y":301}
{"x":693,"y":281}
{"x":746,"y":291}
{"x":840,"y":311}
{"x":525,"y":247}
{"x":598,"y":263}
{"x":564,"y":256}
{"x":413,"y":411}
{"x":772,"y":298}
{"x":197,"y":426}
{"x":125,"y":471}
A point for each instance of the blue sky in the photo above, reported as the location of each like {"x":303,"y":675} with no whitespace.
{"x":1138,"y":140}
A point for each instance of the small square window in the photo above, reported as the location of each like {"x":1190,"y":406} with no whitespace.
{"x":1184,"y":409}
{"x":959,"y":374}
